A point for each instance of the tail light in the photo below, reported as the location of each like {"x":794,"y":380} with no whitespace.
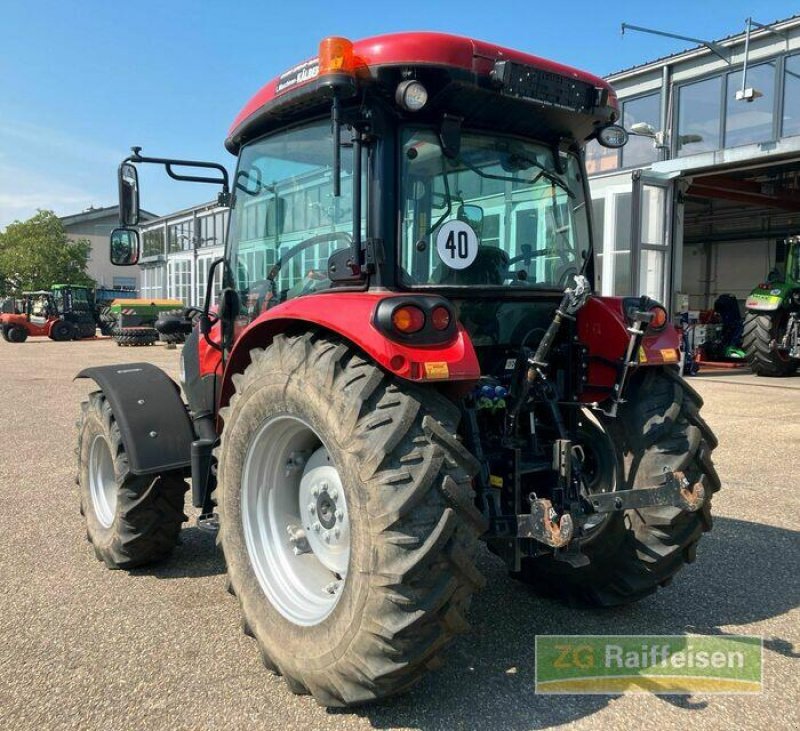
{"x":660,"y":317}
{"x":417,"y":320}
{"x":408,"y":319}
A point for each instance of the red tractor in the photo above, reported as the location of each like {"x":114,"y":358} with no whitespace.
{"x":406,"y":358}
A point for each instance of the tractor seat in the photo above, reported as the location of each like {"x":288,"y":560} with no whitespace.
{"x":490,"y":267}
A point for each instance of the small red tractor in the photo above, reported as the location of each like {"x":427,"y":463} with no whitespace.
{"x":406,"y":357}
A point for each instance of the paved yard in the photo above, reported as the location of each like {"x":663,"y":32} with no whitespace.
{"x":85,"y":648}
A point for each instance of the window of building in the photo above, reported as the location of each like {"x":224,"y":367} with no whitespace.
{"x":750,"y":121}
{"x":645,"y":109}
{"x":180,"y":236}
{"x":128,"y":282}
{"x":623,"y":282}
{"x":179,"y":274}
{"x":699,"y":114}
{"x":791,"y":97}
{"x":598,"y":223}
{"x":153,"y":242}
{"x":600,"y":159}
{"x":152,"y":286}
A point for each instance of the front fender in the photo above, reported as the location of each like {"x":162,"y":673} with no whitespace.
{"x":349,"y":315}
{"x":146,"y":402}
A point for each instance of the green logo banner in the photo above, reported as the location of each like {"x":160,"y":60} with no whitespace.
{"x":660,"y":664}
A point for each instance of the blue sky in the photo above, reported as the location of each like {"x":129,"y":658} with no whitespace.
{"x":80,"y":82}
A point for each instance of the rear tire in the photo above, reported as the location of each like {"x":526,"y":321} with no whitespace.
{"x":131,"y":520}
{"x":4,"y":333}
{"x":635,"y":552}
{"x":760,"y":332}
{"x":17,"y":334}
{"x":62,"y":331}
{"x":412,"y":525}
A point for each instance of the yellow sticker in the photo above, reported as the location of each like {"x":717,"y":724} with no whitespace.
{"x":642,"y":355}
{"x":437,"y":369}
{"x":495,"y":481}
{"x":670,"y":355}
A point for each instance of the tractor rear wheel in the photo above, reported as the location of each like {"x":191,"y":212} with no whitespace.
{"x":761,"y":331}
{"x":62,"y":331}
{"x":131,"y":520}
{"x":4,"y":332}
{"x":17,"y":334}
{"x":631,"y":554}
{"x":346,"y":520}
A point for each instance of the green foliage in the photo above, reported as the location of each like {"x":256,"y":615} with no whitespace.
{"x":35,"y":254}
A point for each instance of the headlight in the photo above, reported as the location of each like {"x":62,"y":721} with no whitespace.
{"x":411,"y":95}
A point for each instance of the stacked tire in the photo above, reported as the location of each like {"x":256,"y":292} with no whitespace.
{"x":133,"y":337}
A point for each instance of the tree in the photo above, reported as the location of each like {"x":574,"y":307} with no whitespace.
{"x":36,"y":254}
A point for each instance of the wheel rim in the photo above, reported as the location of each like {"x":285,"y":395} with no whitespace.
{"x":102,"y":481}
{"x":598,"y":470}
{"x":295,"y":519}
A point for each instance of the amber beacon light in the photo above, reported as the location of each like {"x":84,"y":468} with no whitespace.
{"x":336,"y":56}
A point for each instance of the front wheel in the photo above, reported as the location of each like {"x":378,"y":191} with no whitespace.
{"x":62,"y":331}
{"x":346,"y":520}
{"x":17,"y":334}
{"x":761,"y":333}
{"x":131,"y":520}
{"x":631,"y":554}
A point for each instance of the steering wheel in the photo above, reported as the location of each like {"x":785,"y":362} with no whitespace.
{"x":303,"y":245}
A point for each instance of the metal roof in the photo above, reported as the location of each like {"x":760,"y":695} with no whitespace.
{"x":729,"y":40}
{"x":93,"y":214}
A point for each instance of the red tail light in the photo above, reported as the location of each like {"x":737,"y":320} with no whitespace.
{"x":440,"y":318}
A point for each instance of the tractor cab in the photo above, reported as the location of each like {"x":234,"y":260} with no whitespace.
{"x":75,"y":304}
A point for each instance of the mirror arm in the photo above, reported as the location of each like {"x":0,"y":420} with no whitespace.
{"x":169,"y":162}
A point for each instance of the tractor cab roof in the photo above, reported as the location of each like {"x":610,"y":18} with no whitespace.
{"x":487,"y":85}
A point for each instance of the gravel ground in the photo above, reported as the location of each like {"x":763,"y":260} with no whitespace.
{"x":82,"y":647}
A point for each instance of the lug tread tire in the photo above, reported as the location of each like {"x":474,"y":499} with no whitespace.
{"x":134,"y":337}
{"x":149,"y":510}
{"x":757,"y":336}
{"x":658,"y":427}
{"x":423,"y":529}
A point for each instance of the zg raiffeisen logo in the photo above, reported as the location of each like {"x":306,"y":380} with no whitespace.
{"x":660,"y":664}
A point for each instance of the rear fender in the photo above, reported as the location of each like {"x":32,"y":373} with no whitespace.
{"x":349,"y":316}
{"x":152,"y":419}
{"x":602,"y":328}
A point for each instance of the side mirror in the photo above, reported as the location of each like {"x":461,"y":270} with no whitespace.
{"x":124,"y":247}
{"x":471,"y":215}
{"x":128,"y":194}
{"x":612,"y":136}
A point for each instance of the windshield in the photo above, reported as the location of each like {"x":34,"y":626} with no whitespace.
{"x":500,"y":212}
{"x":285,"y":221}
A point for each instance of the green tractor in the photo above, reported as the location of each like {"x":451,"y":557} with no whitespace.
{"x":134,"y":319}
{"x":771,"y":337}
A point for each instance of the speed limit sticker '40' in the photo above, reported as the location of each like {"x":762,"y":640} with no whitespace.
{"x":457,"y":244}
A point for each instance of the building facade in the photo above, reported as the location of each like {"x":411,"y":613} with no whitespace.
{"x":177,"y":251}
{"x":95,"y":225}
{"x":695,"y":205}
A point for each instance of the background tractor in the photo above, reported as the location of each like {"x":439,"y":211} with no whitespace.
{"x":771,"y":337}
{"x":62,"y":314}
{"x":406,"y":357}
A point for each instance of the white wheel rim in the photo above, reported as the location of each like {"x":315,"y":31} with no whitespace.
{"x":295,"y":520}
{"x":102,"y":481}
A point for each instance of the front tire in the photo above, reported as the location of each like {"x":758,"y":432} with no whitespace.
{"x":17,"y":334}
{"x":62,"y":331}
{"x":402,"y":593}
{"x":633,"y":553}
{"x":761,"y":331}
{"x":131,"y":520}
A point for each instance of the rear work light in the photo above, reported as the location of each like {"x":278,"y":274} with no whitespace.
{"x":408,"y":319}
{"x":411,"y":95}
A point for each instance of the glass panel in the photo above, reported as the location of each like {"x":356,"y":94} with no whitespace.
{"x":641,"y":150}
{"x":699,"y":116}
{"x":791,"y":97}
{"x":286,"y":218}
{"x":750,"y":121}
{"x":600,"y":159}
{"x":520,"y":190}
{"x":654,"y":206}
{"x":623,"y":284}
{"x":598,"y":221}
{"x":651,"y":274}
{"x":153,"y":242}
